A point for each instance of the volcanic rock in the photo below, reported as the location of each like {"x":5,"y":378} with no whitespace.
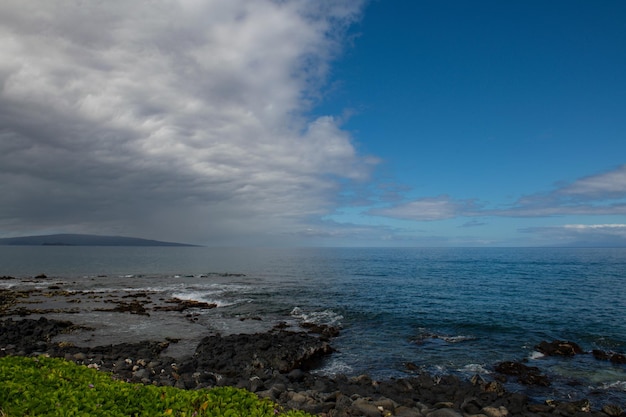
{"x":527,"y":375}
{"x":559,"y":348}
{"x":281,"y":351}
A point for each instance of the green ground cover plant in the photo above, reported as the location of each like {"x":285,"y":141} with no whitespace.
{"x":42,"y":386}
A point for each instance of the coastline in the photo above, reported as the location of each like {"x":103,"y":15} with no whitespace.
{"x":278,"y":363}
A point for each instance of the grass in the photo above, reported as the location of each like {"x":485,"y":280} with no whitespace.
{"x":53,"y":387}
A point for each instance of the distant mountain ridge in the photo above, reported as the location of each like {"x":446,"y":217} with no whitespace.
{"x":83,"y":240}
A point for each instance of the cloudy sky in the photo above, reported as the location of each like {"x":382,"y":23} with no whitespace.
{"x":331,"y":122}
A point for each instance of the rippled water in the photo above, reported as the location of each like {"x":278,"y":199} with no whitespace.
{"x":445,"y":310}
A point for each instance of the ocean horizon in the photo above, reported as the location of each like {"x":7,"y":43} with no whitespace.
{"x":441,"y":310}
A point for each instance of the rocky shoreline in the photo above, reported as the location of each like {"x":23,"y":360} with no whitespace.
{"x":278,"y":364}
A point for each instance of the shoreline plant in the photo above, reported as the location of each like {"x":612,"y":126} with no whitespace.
{"x":43,"y":386}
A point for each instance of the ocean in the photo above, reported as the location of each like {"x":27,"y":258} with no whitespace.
{"x":444,"y":310}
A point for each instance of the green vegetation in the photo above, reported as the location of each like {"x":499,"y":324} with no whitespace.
{"x":53,"y":387}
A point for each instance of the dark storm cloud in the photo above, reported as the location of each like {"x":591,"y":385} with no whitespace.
{"x":178,"y":120}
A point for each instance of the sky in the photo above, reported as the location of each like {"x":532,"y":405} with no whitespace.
{"x":315,"y":123}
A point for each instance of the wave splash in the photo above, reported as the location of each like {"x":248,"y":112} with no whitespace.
{"x":325,"y":317}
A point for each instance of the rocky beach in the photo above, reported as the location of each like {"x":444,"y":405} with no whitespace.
{"x":278,"y":363}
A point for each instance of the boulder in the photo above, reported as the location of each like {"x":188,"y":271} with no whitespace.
{"x":527,"y":375}
{"x":617,"y":358}
{"x":559,"y":348}
{"x":366,"y":408}
{"x":444,"y":412}
{"x":325,"y":331}
{"x":601,"y":355}
{"x":29,"y":335}
{"x":495,"y":411}
{"x":244,"y":354}
{"x":612,"y":410}
{"x":407,"y":412}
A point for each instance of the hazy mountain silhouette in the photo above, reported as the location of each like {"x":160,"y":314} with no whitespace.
{"x":84,"y":240}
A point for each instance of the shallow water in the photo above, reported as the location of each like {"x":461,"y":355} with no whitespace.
{"x":445,"y":310}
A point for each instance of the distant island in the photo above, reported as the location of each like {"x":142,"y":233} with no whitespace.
{"x":83,"y":240}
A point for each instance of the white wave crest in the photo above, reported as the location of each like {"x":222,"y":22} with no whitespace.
{"x":422,"y":338}
{"x":474,"y":368}
{"x":326,"y":317}
{"x":203,"y":298}
{"x":334,"y":367}
{"x":456,"y":339}
{"x":616,"y":385}
{"x":223,"y":295}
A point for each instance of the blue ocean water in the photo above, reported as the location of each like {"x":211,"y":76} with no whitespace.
{"x":445,"y":310}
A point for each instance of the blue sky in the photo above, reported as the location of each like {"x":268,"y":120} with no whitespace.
{"x":485,"y":103}
{"x":334,"y":123}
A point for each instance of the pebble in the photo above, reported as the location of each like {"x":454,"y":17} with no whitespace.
{"x":366,"y":408}
{"x":407,"y":412}
{"x":297,"y":398}
{"x":495,"y":412}
{"x":444,"y":412}
{"x":612,"y":410}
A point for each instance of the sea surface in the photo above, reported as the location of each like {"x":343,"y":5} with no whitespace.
{"x":445,"y":310}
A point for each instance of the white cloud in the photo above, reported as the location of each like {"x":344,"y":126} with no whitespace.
{"x":594,"y":195}
{"x":427,"y":209}
{"x":598,"y":194}
{"x":611,"y":184}
{"x":176,"y":119}
{"x":620,"y":228}
{"x":582,"y":234}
